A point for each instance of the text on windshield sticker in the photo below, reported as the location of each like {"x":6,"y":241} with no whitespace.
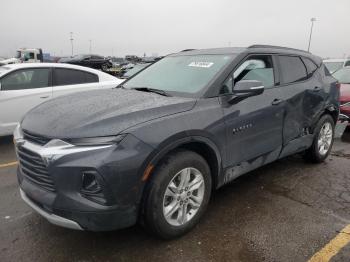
{"x":201,"y":64}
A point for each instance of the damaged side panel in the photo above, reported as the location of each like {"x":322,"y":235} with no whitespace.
{"x":232,"y":173}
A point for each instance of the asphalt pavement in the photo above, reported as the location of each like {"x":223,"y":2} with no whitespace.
{"x":286,"y":211}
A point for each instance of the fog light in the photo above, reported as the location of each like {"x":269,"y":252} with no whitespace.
{"x":93,"y":188}
{"x":90,"y":184}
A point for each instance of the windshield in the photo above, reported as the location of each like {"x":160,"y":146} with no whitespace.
{"x":80,"y":57}
{"x":183,"y":74}
{"x":343,"y":75}
{"x":333,"y":66}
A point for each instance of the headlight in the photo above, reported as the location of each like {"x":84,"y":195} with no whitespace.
{"x":17,"y":134}
{"x":102,"y":140}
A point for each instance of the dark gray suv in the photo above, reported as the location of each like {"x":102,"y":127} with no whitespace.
{"x":153,"y":149}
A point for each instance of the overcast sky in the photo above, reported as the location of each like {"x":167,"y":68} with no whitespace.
{"x":162,"y":26}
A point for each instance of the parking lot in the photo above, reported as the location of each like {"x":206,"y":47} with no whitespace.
{"x":286,"y":211}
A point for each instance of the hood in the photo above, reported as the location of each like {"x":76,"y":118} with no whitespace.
{"x":345,"y":93}
{"x":100,"y":112}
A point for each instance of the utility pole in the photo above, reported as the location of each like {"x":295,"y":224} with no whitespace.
{"x":312,"y":25}
{"x":71,"y":41}
{"x":90,"y":46}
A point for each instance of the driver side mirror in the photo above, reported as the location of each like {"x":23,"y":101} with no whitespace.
{"x":246,"y":88}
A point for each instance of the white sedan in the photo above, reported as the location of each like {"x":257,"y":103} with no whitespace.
{"x":24,"y":86}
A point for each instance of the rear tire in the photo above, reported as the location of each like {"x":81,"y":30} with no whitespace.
{"x":177,"y":195}
{"x":105,"y":67}
{"x":323,"y":140}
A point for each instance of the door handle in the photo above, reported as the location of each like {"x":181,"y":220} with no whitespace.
{"x":317,"y":89}
{"x":44,"y":96}
{"x":276,"y":102}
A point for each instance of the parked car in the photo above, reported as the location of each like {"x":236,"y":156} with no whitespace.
{"x":24,"y":86}
{"x":132,"y":58}
{"x":137,"y":68}
{"x":154,"y":149}
{"x":93,"y":61}
{"x":118,"y":61}
{"x":343,"y":76}
{"x":335,"y":64}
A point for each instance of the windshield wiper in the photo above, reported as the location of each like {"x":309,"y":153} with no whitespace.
{"x":152,"y":90}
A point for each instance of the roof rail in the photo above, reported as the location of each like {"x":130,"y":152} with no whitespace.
{"x":186,"y":50}
{"x":278,"y":47}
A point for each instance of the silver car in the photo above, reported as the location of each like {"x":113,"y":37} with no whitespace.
{"x":24,"y":86}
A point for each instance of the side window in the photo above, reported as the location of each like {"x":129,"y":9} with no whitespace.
{"x":91,"y":78}
{"x":347,"y":63}
{"x":64,"y":76}
{"x":310,"y":66}
{"x":256,"y":67}
{"x":26,"y":79}
{"x":292,"y":69}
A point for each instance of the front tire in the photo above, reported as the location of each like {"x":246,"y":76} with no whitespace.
{"x":177,"y":195}
{"x":323,"y":140}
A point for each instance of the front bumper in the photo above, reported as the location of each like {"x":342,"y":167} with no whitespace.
{"x":119,"y":168}
{"x":52,"y":218}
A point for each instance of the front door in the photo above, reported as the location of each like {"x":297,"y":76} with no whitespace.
{"x":254,"y":125}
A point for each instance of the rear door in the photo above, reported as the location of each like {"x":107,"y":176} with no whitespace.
{"x":254,"y":125}
{"x":66,"y":81}
{"x":21,"y":90}
{"x":303,"y":93}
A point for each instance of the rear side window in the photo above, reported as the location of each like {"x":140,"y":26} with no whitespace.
{"x":26,"y":79}
{"x":347,"y":63}
{"x":292,"y":69}
{"x":310,"y":66}
{"x":326,"y":71}
{"x":62,"y":76}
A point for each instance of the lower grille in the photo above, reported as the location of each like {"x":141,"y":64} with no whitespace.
{"x":34,"y":169}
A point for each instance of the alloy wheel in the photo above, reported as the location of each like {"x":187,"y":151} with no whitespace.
{"x":183,"y":196}
{"x":325,"y":138}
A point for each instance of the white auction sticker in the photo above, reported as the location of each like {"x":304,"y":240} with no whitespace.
{"x":201,"y":64}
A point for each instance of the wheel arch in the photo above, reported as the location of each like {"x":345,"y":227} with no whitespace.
{"x":201,"y":145}
{"x":332,"y":111}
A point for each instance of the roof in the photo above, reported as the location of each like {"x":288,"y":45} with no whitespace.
{"x":212,"y":51}
{"x":251,"y":49}
{"x":103,"y":76}
{"x":235,"y":50}
{"x":336,"y":60}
